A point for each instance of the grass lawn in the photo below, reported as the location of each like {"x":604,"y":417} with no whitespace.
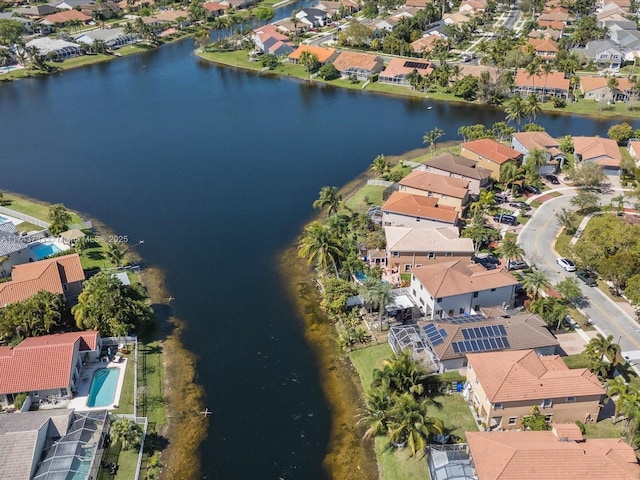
{"x":34,"y":209}
{"x":126,"y":396}
{"x":579,"y":318}
{"x":127,"y":461}
{"x":397,"y":464}
{"x":562,"y":245}
{"x":579,"y":360}
{"x":590,"y":107}
{"x":366,"y":359}
{"x":357,"y":203}
{"x":604,"y":429}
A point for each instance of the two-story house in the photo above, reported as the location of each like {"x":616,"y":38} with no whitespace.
{"x":490,"y":155}
{"x":452,"y":192}
{"x":46,"y":366}
{"x":455,"y":166}
{"x":411,"y":247}
{"x":417,"y":211}
{"x":603,"y":151}
{"x":604,"y":53}
{"x":503,"y":386}
{"x":460,"y":287}
{"x":525,"y":142}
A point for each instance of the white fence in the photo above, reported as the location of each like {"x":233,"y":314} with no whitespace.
{"x":380,"y":183}
{"x":24,"y":217}
{"x":140,"y":421}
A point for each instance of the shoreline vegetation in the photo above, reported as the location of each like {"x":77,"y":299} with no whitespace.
{"x":173,"y":396}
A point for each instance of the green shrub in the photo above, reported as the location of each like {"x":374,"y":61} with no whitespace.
{"x":19,"y":400}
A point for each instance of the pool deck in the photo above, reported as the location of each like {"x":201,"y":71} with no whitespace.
{"x":15,"y":221}
{"x":79,"y":402}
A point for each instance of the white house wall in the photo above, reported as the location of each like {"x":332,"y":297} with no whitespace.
{"x":399,"y":220}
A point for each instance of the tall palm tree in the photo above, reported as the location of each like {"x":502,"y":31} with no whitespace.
{"x":375,"y":413}
{"x":126,"y":432}
{"x":116,"y":253}
{"x":479,"y":233}
{"x":486,"y":198}
{"x":411,"y":424}
{"x":536,"y":159}
{"x":510,"y":249}
{"x":320,"y":246}
{"x":613,"y":84}
{"x":328,"y":197}
{"x":515,"y":110}
{"x":376,"y":292}
{"x":535,"y":281}
{"x":618,"y":201}
{"x":600,"y":347}
{"x":431,"y":136}
{"x":532,"y":106}
{"x":380,"y":165}
{"x":509,"y":173}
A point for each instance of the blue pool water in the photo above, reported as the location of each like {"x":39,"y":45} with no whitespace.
{"x":103,"y":387}
{"x":43,"y":250}
{"x":3,"y":219}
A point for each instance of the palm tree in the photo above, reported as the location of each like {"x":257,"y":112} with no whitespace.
{"x":613,"y":84}
{"x":328,"y":197}
{"x":127,"y":432}
{"x":411,"y":424}
{"x":535,"y":159}
{"x":600,"y":347}
{"x":534,"y":281}
{"x":510,"y":249}
{"x":515,"y":109}
{"x":374,"y":416}
{"x":509,"y":174}
{"x":486,"y":198}
{"x":380,"y":165}
{"x":116,"y":253}
{"x":619,"y":203}
{"x":320,"y":246}
{"x":532,"y":106}
{"x":431,"y":136}
{"x":309,"y":60}
{"x":376,"y":292}
{"x":479,"y":233}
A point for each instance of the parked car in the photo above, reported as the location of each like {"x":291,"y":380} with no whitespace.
{"x":505,"y":218}
{"x":531,"y":189}
{"x":587,"y":278}
{"x":553,"y":179}
{"x":567,"y":264}
{"x":485,"y":258}
{"x":516,"y":265}
{"x":522,"y":205}
{"x":501,"y":198}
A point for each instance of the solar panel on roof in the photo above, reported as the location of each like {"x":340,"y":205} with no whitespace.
{"x":503,"y":330}
{"x":418,"y":65}
{"x":456,"y":348}
{"x":435,"y":336}
{"x":494,"y":344}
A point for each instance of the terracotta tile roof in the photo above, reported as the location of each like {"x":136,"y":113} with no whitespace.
{"x":431,"y":182}
{"x":556,"y":15}
{"x":456,"y":18}
{"x":458,"y":165}
{"x":419,"y":206}
{"x":43,"y":363}
{"x":634,"y":147}
{"x":543,"y":44}
{"x":66,"y":16}
{"x":553,"y":80}
{"x":417,"y":3}
{"x":172,"y":15}
{"x":365,"y":61}
{"x":425,"y":44}
{"x":589,"y":83}
{"x":570,"y":431}
{"x":524,"y":376}
{"x":270,"y":31}
{"x":444,"y":239}
{"x":50,"y":275}
{"x":604,"y":151}
{"x":214,"y":6}
{"x":553,"y":25}
{"x":523,"y":332}
{"x":492,"y":150}
{"x":404,"y":66}
{"x":324,"y":54}
{"x":524,"y":455}
{"x":461,"y":276}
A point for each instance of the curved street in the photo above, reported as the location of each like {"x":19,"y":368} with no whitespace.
{"x":537,"y":238}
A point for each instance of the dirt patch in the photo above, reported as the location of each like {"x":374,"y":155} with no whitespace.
{"x":185,"y":426}
{"x":348,"y":456}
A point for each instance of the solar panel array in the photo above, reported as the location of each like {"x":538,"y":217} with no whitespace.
{"x":462,"y":319}
{"x":417,"y":65}
{"x":482,"y":339}
{"x":435,"y":336}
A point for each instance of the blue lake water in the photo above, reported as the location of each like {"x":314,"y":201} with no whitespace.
{"x":173,"y":150}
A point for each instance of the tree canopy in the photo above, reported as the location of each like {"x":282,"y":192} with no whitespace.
{"x":60,"y":219}
{"x":110,"y":307}
{"x":33,"y":317}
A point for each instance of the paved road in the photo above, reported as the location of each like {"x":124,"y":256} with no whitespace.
{"x":537,"y":237}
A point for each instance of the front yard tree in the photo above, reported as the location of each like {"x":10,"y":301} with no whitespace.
{"x":510,"y":249}
{"x":587,"y":175}
{"x":328,"y":72}
{"x":604,"y":349}
{"x":116,"y":253}
{"x":60,"y":219}
{"x":535,"y":281}
{"x":567,"y":219}
{"x":585,"y":201}
{"x":126,"y":432}
{"x":110,"y":307}
{"x":569,"y":289}
{"x":552,"y":310}
{"x":411,"y":424}
{"x":328,"y":197}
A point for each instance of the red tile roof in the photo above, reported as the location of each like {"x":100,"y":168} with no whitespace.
{"x":50,"y":275}
{"x":554,"y":80}
{"x":603,"y":151}
{"x":419,"y":206}
{"x":42,"y":363}
{"x":439,"y":184}
{"x":323,"y":54}
{"x":543,"y":45}
{"x":527,"y":455}
{"x":365,"y":61}
{"x":66,"y":16}
{"x":492,"y":150}
{"x":404,"y":66}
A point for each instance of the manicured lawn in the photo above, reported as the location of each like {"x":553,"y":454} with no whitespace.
{"x":454,"y":412}
{"x":127,"y":461}
{"x":366,"y":359}
{"x":590,"y":107}
{"x":81,"y":61}
{"x":579,"y":360}
{"x":397,"y":464}
{"x":93,"y":256}
{"x":357,"y":201}
{"x":34,"y":209}
{"x":126,"y":397}
{"x":604,"y":429}
{"x":562,"y":245}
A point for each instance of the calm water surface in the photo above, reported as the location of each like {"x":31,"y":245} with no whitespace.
{"x":216,"y":170}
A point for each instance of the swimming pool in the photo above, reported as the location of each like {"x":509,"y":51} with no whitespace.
{"x":43,"y":250}
{"x":103,"y":387}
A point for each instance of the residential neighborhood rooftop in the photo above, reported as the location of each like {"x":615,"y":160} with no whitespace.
{"x":459,"y":165}
{"x":431,"y":182}
{"x":444,"y":239}
{"x":491,"y":150}
{"x":420,"y":206}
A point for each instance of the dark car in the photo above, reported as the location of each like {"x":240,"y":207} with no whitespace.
{"x":485,"y":258}
{"x":531,"y":189}
{"x":553,"y":179}
{"x":505,"y":218}
{"x":501,"y":198}
{"x":587,"y":277}
{"x":522,"y":205}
